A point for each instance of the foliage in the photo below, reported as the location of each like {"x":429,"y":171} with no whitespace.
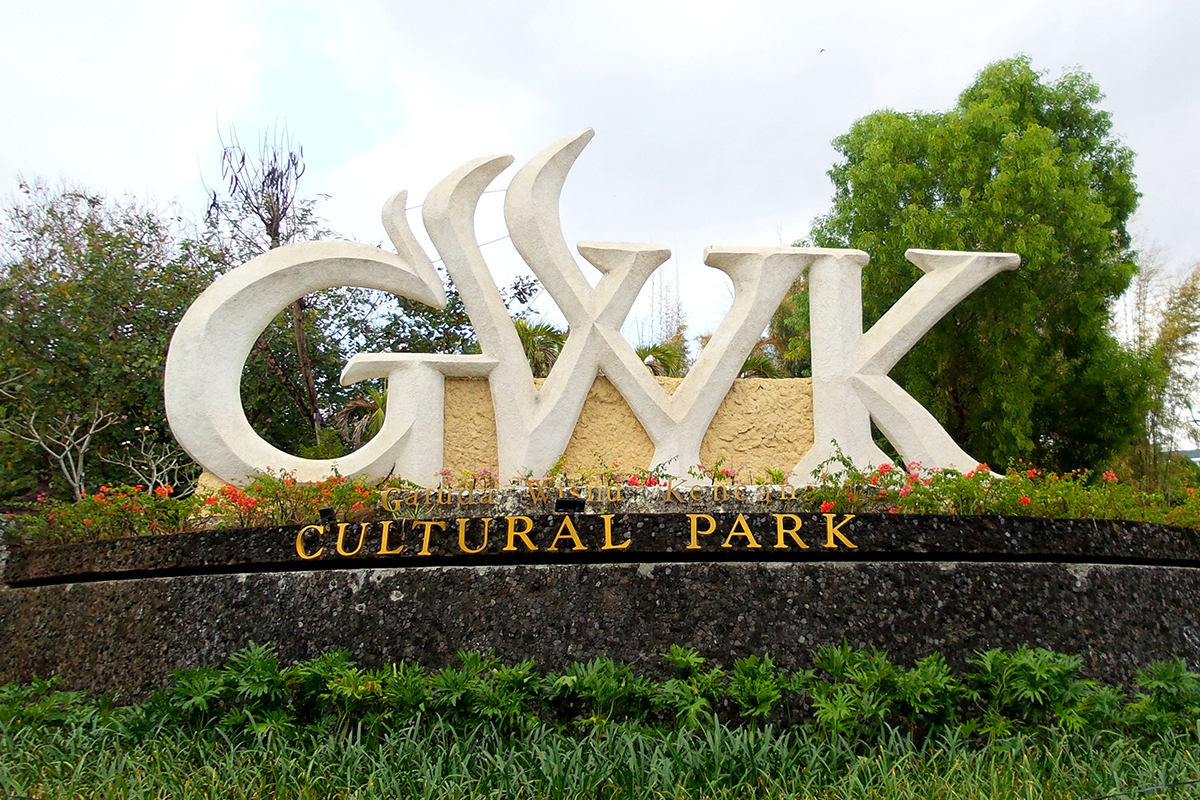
{"x":692,"y":694}
{"x":756,"y":686}
{"x":1029,"y":687}
{"x":279,"y":499}
{"x":853,"y":695}
{"x":599,"y":692}
{"x":423,"y":759}
{"x":668,"y":358}
{"x":1026,"y":366}
{"x":270,"y":499}
{"x":91,"y":289}
{"x":837,"y":487}
{"x":116,"y":512}
{"x":542,"y":342}
{"x":866,"y":693}
{"x":1162,"y":323}
{"x":1025,"y":491}
{"x":1024,"y":724}
{"x":763,"y":362}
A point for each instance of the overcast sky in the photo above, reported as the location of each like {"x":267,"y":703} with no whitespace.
{"x":713,"y":120}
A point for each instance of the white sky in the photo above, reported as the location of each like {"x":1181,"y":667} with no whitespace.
{"x":713,"y":120}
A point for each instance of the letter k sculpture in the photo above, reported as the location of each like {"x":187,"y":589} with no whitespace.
{"x":850,"y":368}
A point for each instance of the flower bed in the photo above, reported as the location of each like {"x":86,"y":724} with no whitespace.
{"x":279,"y":499}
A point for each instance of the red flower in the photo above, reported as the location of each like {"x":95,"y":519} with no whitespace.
{"x":1024,"y":500}
{"x":884,"y":469}
{"x":827,"y":506}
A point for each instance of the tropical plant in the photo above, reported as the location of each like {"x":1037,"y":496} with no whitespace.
{"x":1027,"y":365}
{"x":542,"y":342}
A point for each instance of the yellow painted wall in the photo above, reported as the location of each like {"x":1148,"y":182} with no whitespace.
{"x":761,"y":423}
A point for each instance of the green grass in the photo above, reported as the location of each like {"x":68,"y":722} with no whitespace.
{"x":423,"y":760}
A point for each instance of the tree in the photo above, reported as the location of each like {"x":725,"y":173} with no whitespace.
{"x":1026,"y":366}
{"x":263,"y":211}
{"x":1163,"y":325}
{"x":90,"y":292}
{"x":542,"y":342}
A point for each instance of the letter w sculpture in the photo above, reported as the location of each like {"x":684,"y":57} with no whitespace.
{"x":533,"y":426}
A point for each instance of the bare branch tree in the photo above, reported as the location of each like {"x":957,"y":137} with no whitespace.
{"x":65,"y":440}
{"x":156,"y":463}
{"x":8,"y":385}
{"x":263,"y":192}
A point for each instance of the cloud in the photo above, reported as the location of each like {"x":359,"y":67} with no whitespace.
{"x":714,"y":120}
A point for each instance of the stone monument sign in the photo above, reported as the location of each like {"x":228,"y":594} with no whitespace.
{"x":534,"y":424}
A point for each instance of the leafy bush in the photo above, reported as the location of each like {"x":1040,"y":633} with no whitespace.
{"x":598,"y":692}
{"x":852,"y":695}
{"x":114,"y":512}
{"x":691,"y":695}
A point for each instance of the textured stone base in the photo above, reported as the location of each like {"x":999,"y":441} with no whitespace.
{"x":128,"y":635}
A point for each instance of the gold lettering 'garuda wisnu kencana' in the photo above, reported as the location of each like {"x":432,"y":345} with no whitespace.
{"x":534,"y":424}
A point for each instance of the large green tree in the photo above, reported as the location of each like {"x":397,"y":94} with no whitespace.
{"x":90,"y":292}
{"x":1026,"y":366}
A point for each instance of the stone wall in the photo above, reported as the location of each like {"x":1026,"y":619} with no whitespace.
{"x":120,"y":616}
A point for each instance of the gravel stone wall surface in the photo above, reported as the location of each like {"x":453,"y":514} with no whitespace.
{"x":120,"y":616}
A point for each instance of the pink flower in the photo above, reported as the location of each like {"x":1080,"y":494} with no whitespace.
{"x":905,"y":491}
{"x":1110,"y":476}
{"x":827,"y":506}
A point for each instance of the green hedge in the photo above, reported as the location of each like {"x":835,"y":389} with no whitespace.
{"x":851,"y":694}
